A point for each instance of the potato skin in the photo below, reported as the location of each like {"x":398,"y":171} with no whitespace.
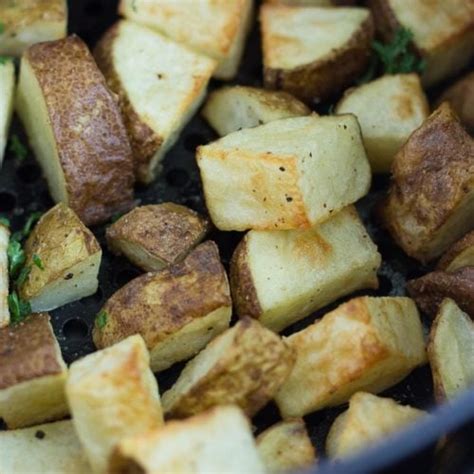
{"x":449,"y":261}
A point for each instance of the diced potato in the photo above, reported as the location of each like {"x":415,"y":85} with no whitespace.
{"x":312,"y":3}
{"x":314,"y":52}
{"x":112,"y":395}
{"x":156,"y":236}
{"x":365,"y":344}
{"x":233,"y":108}
{"x":287,"y":174}
{"x":218,"y":441}
{"x":460,"y":255}
{"x":286,"y":447}
{"x":52,"y":448}
{"x":279,"y":277}
{"x":7,"y":85}
{"x":431,"y":200}
{"x":244,"y":366}
{"x":368,"y":421}
{"x":76,"y":130}
{"x":177,"y":311}
{"x":160,"y":84}
{"x":32,"y":374}
{"x":216,"y":28}
{"x":64,"y":258}
{"x":388,"y":109}
{"x":26,"y":22}
{"x":4,"y":279}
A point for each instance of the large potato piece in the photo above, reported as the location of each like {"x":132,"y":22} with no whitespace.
{"x":287,"y":174}
{"x":177,"y":311}
{"x":160,"y":84}
{"x":460,"y":255}
{"x":279,"y":277}
{"x":75,"y":129}
{"x":314,"y":52}
{"x":4,"y":278}
{"x":32,"y":374}
{"x":366,"y":344}
{"x":70,"y":259}
{"x":112,"y":394}
{"x":244,"y":366}
{"x":7,"y":86}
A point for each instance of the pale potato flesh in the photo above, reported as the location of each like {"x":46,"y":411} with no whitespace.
{"x":4,"y":279}
{"x":7,"y":85}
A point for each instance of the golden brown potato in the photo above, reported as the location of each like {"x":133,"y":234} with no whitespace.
{"x":431,"y":201}
{"x":460,"y":255}
{"x":365,"y":344}
{"x":4,"y":279}
{"x":313,"y":3}
{"x":244,"y":366}
{"x":177,"y":311}
{"x":7,"y":88}
{"x":32,"y":374}
{"x":156,"y":236}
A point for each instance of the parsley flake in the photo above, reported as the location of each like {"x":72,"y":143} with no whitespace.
{"x":16,"y":257}
{"x":19,"y":308}
{"x":17,"y":148}
{"x":2,"y":28}
{"x":23,"y":275}
{"x":38,"y":262}
{"x":5,"y":221}
{"x":101,"y":319}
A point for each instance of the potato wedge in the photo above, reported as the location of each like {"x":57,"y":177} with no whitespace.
{"x":216,"y":28}
{"x":112,"y":394}
{"x":4,"y":278}
{"x":32,"y":374}
{"x":460,"y":255}
{"x":64,"y":258}
{"x":365,"y":344}
{"x":431,"y":200}
{"x":218,"y":441}
{"x":160,"y":84}
{"x":369,"y":420}
{"x":388,"y":109}
{"x":244,"y":366}
{"x":287,"y":174}
{"x":314,"y":53}
{"x":279,"y":277}
{"x":7,"y":86}
{"x":75,"y":129}
{"x":156,"y":236}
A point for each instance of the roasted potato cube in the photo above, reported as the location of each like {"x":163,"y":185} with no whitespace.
{"x":32,"y":374}
{"x":287,"y":174}
{"x":27,"y":22}
{"x":64,"y":259}
{"x":364,"y":344}
{"x":279,"y":277}
{"x":368,"y":420}
{"x":460,"y":255}
{"x":7,"y":85}
{"x":244,"y":366}
{"x":216,"y":28}
{"x":431,"y":200}
{"x":313,"y":3}
{"x":113,"y":394}
{"x":4,"y":280}
{"x":76,"y":130}
{"x":218,"y":441}
{"x":388,"y":109}
{"x":177,"y":311}
{"x":314,"y":53}
{"x":156,"y":236}
{"x":160,"y":84}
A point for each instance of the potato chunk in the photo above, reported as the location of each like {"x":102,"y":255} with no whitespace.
{"x":365,"y":344}
{"x":4,"y":279}
{"x":160,"y":85}
{"x":64,"y":258}
{"x":287,"y":174}
{"x":76,"y":130}
{"x":244,"y":366}
{"x":388,"y":109}
{"x":369,"y":420}
{"x":281,"y":277}
{"x":113,"y":394}
{"x":156,"y":236}
{"x":7,"y":86}
{"x":32,"y":374}
{"x":460,"y":255}
{"x":431,"y":200}
{"x":314,"y":52}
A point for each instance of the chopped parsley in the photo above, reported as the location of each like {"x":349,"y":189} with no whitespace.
{"x":5,"y":221}
{"x":23,"y":275}
{"x":33,"y":218}
{"x":16,"y":257}
{"x":19,"y":308}
{"x":101,"y":319}
{"x":4,"y":59}
{"x":38,"y":262}
{"x":2,"y":28}
{"x":17,"y":148}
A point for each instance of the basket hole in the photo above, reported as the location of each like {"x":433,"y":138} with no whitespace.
{"x":7,"y":201}
{"x":385,"y":285}
{"x":75,"y":328}
{"x":177,"y":177}
{"x":29,"y":173}
{"x":193,"y":140}
{"x":98,"y":295}
{"x":124,"y":276}
{"x":93,"y":8}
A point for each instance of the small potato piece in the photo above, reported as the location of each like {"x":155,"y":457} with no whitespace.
{"x":314,"y":53}
{"x":156,"y":236}
{"x":218,"y":441}
{"x":112,"y":394}
{"x":279,"y":277}
{"x":287,"y":174}
{"x":286,"y":447}
{"x":312,"y":3}
{"x":368,"y":420}
{"x":460,"y":255}
{"x":4,"y":279}
{"x":365,"y":344}
{"x":64,"y":257}
{"x":431,"y":201}
{"x":244,"y":366}
{"x":7,"y":87}
{"x":388,"y":109}
{"x":32,"y":374}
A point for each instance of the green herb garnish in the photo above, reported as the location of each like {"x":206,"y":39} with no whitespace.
{"x":101,"y":319}
{"x":16,"y":257}
{"x":19,"y":308}
{"x":33,"y":218}
{"x":4,"y":59}
{"x":38,"y":262}
{"x":17,"y":148}
{"x":5,"y":221}
{"x":2,"y":28}
{"x":23,"y":275}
